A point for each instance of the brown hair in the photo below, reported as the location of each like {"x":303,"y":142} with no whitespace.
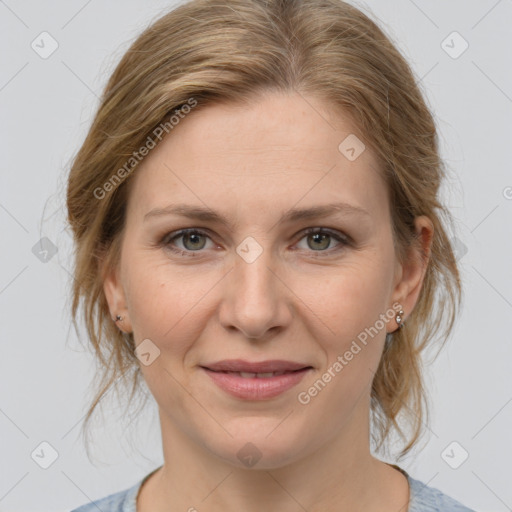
{"x":228,"y":50}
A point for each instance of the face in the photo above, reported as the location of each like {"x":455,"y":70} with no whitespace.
{"x":258,"y":287}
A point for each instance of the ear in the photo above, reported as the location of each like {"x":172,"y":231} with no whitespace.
{"x":411,"y":273}
{"x":116,"y":298}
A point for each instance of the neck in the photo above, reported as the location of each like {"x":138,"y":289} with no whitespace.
{"x":340,"y":474}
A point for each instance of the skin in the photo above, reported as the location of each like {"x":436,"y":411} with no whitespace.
{"x":303,"y":299}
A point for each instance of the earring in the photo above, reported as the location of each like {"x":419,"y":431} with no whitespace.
{"x":118,"y":318}
{"x":398,"y":319}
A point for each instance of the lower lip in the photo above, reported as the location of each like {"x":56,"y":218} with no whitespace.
{"x":255,"y":388}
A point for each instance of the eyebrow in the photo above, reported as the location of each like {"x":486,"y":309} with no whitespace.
{"x":294,"y":214}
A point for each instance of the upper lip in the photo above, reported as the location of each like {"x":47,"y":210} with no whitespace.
{"x":239,"y":365}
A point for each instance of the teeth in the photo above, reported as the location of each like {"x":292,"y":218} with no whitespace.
{"x":249,"y":375}
{"x":246,"y":375}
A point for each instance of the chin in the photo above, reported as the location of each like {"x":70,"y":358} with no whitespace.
{"x":263,"y":450}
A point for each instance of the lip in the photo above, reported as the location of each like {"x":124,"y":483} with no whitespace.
{"x":241,"y":365}
{"x":256,"y":388}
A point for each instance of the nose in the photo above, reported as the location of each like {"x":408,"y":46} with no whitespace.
{"x":256,"y":299}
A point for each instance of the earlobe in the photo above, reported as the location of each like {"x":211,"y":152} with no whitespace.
{"x":115,"y":296}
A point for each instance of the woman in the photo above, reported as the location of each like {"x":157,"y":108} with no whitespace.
{"x":233,"y":138}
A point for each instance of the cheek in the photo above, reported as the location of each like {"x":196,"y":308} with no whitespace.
{"x":168,"y":305}
{"x":157,"y":296}
{"x":348,"y":300}
{"x":356,"y":314}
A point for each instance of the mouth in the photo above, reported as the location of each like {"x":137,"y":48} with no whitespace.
{"x":258,"y":375}
{"x":274,"y":366}
{"x":256,"y":381}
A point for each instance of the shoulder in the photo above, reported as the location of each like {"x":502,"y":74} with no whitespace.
{"x":122,"y":501}
{"x":429,"y":499}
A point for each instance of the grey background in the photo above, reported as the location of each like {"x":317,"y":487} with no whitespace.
{"x":47,"y":106}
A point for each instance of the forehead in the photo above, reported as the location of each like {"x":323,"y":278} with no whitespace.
{"x":262,"y":157}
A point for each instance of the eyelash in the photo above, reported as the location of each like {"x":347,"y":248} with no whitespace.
{"x":344,"y":240}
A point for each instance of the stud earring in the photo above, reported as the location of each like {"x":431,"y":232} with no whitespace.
{"x":398,"y":319}
{"x":118,"y":318}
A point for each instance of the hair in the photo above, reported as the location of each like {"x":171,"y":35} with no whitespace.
{"x":212,"y":51}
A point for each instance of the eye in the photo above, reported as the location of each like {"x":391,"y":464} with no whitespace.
{"x":191,"y":239}
{"x":319,"y":239}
